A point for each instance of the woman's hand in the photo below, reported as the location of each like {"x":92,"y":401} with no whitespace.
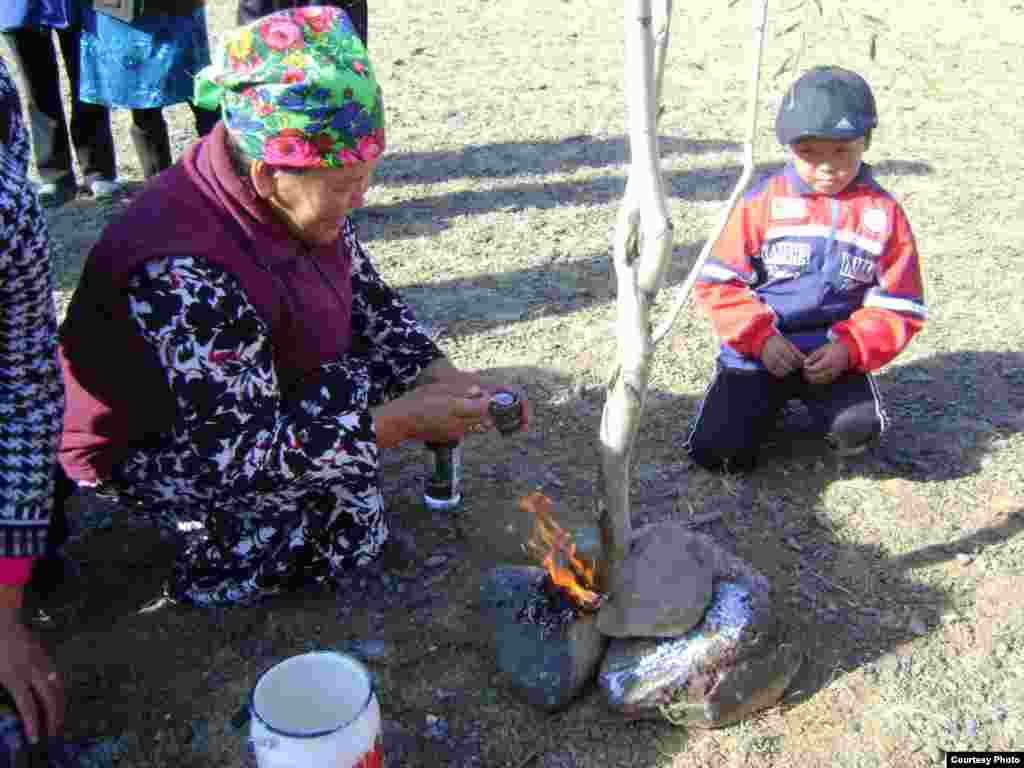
{"x":26,"y":671}
{"x":441,"y":372}
{"x":435,"y":412}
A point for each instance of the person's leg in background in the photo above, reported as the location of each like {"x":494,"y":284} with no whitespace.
{"x":151,"y":140}
{"x":36,"y":56}
{"x":359,"y":14}
{"x":205,"y":119}
{"x":90,"y":125}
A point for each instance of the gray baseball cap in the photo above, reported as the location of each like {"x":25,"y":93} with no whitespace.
{"x":829,"y":103}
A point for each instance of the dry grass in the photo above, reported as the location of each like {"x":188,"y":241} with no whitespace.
{"x":492,"y":214}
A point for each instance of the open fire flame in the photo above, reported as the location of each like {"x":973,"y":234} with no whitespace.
{"x":554,"y":547}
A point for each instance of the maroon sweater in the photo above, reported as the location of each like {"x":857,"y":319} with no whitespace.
{"x":118,"y":399}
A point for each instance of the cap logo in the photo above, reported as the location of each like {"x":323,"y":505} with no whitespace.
{"x":844,"y":125}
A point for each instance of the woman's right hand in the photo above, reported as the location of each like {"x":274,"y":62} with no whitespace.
{"x":430,"y":413}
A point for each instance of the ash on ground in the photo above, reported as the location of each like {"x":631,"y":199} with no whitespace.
{"x":549,"y":607}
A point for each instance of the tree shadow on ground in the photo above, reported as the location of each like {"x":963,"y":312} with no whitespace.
{"x":516,"y":158}
{"x":430,"y":214}
{"x":484,"y":302}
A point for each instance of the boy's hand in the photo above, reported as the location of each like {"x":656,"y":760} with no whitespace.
{"x":781,"y":357}
{"x":826,"y":364}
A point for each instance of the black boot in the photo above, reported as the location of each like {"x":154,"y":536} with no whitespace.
{"x":153,"y":149}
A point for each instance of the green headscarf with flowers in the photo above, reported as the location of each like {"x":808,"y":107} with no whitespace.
{"x":297,"y":89}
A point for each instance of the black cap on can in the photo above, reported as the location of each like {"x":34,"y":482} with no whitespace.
{"x":506,"y":410}
{"x":829,"y":103}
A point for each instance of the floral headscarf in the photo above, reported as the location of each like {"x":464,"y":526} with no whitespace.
{"x":297,"y":89}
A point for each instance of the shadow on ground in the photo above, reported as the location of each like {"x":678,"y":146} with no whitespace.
{"x":516,"y":158}
{"x":156,"y":679}
{"x":483,"y":302}
{"x":76,"y":226}
{"x":430,"y":214}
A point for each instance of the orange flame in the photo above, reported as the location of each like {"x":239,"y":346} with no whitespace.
{"x":555,"y":548}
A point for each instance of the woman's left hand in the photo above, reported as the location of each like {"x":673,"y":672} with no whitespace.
{"x":473,"y":384}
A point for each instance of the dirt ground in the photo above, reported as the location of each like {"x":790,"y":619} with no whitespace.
{"x":899,"y":571}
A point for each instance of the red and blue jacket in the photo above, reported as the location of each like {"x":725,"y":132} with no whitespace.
{"x":814,"y":268}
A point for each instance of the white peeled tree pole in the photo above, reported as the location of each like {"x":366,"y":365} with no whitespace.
{"x":642,"y":252}
{"x":643,"y":248}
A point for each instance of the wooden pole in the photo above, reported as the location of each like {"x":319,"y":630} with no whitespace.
{"x":643,"y":248}
{"x":642,"y":252}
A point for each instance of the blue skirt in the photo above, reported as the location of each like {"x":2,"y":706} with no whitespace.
{"x":15,"y":14}
{"x":148,"y":63}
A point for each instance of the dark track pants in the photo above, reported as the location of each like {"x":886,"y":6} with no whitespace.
{"x":740,"y":408}
{"x":36,"y":55}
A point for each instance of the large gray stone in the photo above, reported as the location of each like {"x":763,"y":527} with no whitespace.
{"x":667,"y":582}
{"x":731,"y":664}
{"x":546,"y":667}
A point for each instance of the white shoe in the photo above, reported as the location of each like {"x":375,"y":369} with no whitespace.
{"x":104,"y":189}
{"x":53,"y":194}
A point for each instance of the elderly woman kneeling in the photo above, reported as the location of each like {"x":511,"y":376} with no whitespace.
{"x":234,"y":362}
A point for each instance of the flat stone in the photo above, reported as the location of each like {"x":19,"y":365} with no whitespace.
{"x":716,"y":674}
{"x":548,"y":670}
{"x":730,"y":665}
{"x":667,"y":581}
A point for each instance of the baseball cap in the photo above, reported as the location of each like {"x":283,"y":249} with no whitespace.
{"x":826,"y":102}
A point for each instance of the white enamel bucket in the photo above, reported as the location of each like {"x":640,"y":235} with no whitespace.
{"x":316,"y":710}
